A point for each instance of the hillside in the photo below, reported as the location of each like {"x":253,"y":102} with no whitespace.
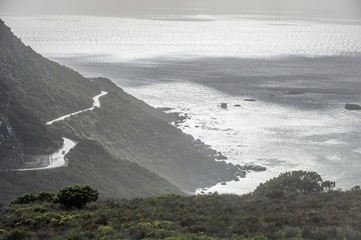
{"x":295,"y":205}
{"x":127,"y":148}
{"x":294,"y":216}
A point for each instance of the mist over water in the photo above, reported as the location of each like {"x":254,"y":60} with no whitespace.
{"x":300,"y":71}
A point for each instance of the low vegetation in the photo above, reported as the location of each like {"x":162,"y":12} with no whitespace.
{"x":315,"y":214}
{"x":89,"y":164}
{"x":77,"y":196}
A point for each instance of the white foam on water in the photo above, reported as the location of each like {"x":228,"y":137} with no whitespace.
{"x":266,"y":134}
{"x":358,"y":150}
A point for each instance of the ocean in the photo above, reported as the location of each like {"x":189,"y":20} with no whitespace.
{"x":300,"y":72}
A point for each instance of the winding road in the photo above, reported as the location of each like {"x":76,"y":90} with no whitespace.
{"x":58,"y":159}
{"x":96,"y":103}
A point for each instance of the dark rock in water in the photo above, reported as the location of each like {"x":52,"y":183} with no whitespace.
{"x":223,"y":183}
{"x":221,"y":157}
{"x":241,"y":174}
{"x":249,"y":100}
{"x":224,"y":105}
{"x":237,"y":105}
{"x":352,"y":107}
{"x":176,"y":117}
{"x":252,"y":167}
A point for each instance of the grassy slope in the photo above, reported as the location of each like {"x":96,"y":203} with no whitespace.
{"x":89,"y":164}
{"x":333,"y":215}
{"x":44,"y":87}
{"x":128,"y":132}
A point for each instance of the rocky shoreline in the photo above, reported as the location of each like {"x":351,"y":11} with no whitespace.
{"x":231,"y":172}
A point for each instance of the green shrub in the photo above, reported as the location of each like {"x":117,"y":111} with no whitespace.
{"x":77,"y":196}
{"x":296,"y":181}
{"x":34,"y":197}
{"x":17,"y":235}
{"x":45,"y":197}
{"x":24,"y":199}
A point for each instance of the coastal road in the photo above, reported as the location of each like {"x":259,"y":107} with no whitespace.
{"x":58,"y":158}
{"x":96,"y":103}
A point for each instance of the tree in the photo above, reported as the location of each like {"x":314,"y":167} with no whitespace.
{"x":77,"y":196}
{"x":296,"y":181}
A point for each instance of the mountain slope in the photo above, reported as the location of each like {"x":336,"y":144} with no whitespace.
{"x":89,"y":164}
{"x":122,"y":130}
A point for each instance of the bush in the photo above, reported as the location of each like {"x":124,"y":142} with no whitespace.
{"x":45,"y":197}
{"x":296,"y":181}
{"x":34,"y":197}
{"x":24,"y":199}
{"x":77,"y":196}
{"x":16,"y":235}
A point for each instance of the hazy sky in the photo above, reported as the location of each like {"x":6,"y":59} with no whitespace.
{"x":340,"y":8}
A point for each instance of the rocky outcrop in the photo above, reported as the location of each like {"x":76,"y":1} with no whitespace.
{"x":220,"y":156}
{"x":253,"y":168}
{"x":352,"y":107}
{"x":224,"y":105}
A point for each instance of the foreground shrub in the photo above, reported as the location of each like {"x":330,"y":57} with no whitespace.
{"x":17,"y":235}
{"x":77,"y":196}
{"x":296,"y":181}
{"x":34,"y":197}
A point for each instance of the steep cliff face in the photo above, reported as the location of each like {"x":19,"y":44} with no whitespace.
{"x":11,"y":155}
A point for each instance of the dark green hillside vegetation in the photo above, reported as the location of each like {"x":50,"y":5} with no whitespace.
{"x":311,"y":215}
{"x":10,"y":153}
{"x":129,"y":132}
{"x":90,"y":164}
{"x":44,"y":87}
{"x":127,"y":148}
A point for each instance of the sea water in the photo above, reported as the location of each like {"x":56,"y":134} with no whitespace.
{"x":193,"y":63}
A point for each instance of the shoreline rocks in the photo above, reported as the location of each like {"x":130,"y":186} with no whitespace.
{"x":220,"y":156}
{"x":226,"y":171}
{"x":224,"y":105}
{"x":352,"y":107}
